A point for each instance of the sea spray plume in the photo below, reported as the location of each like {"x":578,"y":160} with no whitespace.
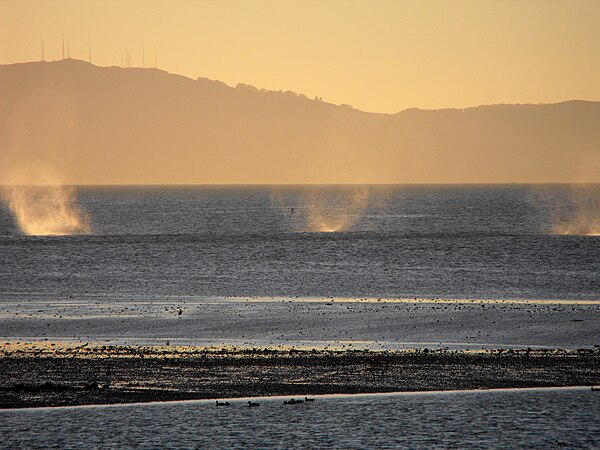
{"x":582,"y":215}
{"x":335,"y":208}
{"x":570,"y":209}
{"x":49,"y":210}
{"x":36,"y":147}
{"x":324,"y":209}
{"x":331,"y":204}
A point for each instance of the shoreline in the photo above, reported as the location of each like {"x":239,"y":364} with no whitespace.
{"x":242,"y":401}
{"x":37,"y":374}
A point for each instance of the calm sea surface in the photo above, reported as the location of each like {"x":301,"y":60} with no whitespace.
{"x":399,"y":241}
{"x":536,"y":419}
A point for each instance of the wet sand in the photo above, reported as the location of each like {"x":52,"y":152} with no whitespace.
{"x":67,"y":373}
{"x":322,"y":323}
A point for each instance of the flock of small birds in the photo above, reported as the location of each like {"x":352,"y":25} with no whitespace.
{"x":323,"y":322}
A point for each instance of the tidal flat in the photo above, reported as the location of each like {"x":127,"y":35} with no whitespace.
{"x":36,"y":374}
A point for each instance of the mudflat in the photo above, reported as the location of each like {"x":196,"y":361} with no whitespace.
{"x":60,"y":374}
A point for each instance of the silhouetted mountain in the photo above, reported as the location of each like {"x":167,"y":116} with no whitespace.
{"x":113,"y":125}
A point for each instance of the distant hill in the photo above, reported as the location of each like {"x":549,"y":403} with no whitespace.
{"x":97,"y":125}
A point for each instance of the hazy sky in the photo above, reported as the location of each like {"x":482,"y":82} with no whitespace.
{"x":375,"y":55}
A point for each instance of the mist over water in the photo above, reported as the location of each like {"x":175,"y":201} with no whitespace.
{"x":584,"y":219}
{"x":49,"y":210}
{"x":322,"y":209}
{"x":337,"y":211}
{"x":572,"y":209}
{"x":36,"y":151}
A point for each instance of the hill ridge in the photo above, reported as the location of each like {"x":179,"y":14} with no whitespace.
{"x":114,"y":125}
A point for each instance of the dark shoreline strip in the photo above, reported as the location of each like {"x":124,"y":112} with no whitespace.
{"x":109,"y":375}
{"x":243,"y":401}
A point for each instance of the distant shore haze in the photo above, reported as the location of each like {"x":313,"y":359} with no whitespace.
{"x":109,"y":125}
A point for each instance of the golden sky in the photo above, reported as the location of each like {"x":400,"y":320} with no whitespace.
{"x":381,"y":56}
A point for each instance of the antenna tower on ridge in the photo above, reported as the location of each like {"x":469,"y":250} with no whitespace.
{"x":43,"y":58}
{"x":63,"y":48}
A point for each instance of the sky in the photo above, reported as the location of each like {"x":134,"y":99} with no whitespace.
{"x":379,"y":56}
